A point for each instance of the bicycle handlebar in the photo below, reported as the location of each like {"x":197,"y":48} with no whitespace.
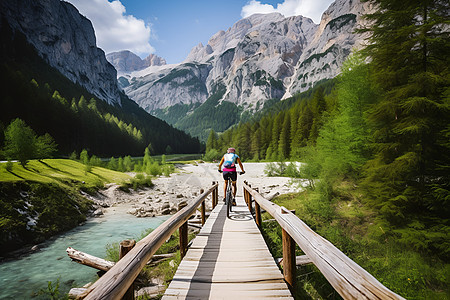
{"x":240,"y":173}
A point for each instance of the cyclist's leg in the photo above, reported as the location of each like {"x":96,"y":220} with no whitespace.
{"x":225,"y":177}
{"x":225,"y":189}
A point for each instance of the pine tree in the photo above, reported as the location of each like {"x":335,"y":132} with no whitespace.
{"x":409,"y":60}
{"x":284,"y":140}
{"x":342,"y":142}
{"x":120,"y":166}
{"x":147,"y":158}
{"x":112,"y":164}
{"x":211,"y":143}
{"x":243,"y":141}
{"x":128,"y":163}
{"x":82,"y":103}
{"x":255,"y":142}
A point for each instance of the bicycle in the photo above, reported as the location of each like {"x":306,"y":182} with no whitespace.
{"x":229,"y":194}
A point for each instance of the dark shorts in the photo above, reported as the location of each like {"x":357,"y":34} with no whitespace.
{"x":232,"y":175}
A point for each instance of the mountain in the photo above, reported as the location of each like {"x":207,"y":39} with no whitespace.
{"x":66,"y":41}
{"x":333,"y":41}
{"x":54,"y":78}
{"x":127,"y":61}
{"x":259,"y":58}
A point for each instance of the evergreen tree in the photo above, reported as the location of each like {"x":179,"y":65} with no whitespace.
{"x":243,"y":141}
{"x":276,"y":130}
{"x":255,"y":142}
{"x":409,"y":60}
{"x":73,"y":155}
{"x":82,"y":103}
{"x":168,"y":150}
{"x":211,"y":143}
{"x":120,"y":166}
{"x":128,"y":163}
{"x":342,"y":142}
{"x":147,"y":158}
{"x":112,"y":164}
{"x":284,"y":140}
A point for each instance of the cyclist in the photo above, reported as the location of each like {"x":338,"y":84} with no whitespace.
{"x":229,"y":170}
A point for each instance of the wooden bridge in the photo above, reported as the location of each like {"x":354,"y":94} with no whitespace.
{"x":229,"y":259}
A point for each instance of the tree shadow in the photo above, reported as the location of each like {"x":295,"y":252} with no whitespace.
{"x":53,"y":168}
{"x":14,"y":174}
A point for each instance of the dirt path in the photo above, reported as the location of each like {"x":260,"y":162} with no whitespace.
{"x":185,"y":185}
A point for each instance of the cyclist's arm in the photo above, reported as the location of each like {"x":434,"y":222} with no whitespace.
{"x":240,"y":164}
{"x":221,"y":163}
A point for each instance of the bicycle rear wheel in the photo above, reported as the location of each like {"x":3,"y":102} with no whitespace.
{"x":229,"y":199}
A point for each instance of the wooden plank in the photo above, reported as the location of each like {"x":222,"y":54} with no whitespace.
{"x":237,"y":286}
{"x":228,"y":260}
{"x":227,"y":294}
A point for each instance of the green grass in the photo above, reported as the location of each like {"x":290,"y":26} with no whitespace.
{"x":355,"y":230}
{"x":64,"y":172}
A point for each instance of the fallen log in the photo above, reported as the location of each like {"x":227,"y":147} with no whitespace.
{"x":102,"y":264}
{"x":89,"y":260}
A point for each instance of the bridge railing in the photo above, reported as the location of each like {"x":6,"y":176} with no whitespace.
{"x":115,"y":283}
{"x":347,"y":277}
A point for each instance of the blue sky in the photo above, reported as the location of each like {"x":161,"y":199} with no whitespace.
{"x":171,"y":28}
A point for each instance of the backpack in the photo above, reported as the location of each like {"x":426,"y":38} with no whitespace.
{"x":229,"y":160}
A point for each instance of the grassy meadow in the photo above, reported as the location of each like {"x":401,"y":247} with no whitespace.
{"x":64,"y":172}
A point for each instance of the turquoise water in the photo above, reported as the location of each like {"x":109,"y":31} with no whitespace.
{"x":22,"y":278}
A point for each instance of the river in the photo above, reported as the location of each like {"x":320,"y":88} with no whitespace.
{"x":24,"y":277}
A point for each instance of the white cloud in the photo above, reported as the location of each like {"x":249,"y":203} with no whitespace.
{"x":308,"y":8}
{"x":114,"y":29}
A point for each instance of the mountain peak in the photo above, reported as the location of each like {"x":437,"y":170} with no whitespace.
{"x":126,"y":61}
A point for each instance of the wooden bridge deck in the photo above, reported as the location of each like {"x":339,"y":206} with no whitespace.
{"x":228,"y":260}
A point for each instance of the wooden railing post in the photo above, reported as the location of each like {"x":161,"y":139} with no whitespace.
{"x":183,"y":231}
{"x":203,"y":209}
{"x":125,"y":247}
{"x":258,"y":215}
{"x":289,"y":259}
{"x":245,"y":192}
{"x":214,"y":196}
{"x":249,"y":203}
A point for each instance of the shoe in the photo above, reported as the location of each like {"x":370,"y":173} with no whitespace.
{"x":224,"y":199}
{"x":234,"y":202}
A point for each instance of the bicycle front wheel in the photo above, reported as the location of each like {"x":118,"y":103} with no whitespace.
{"x":229,"y":200}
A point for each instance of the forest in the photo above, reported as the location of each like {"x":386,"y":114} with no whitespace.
{"x":50,"y":103}
{"x":383,"y":129}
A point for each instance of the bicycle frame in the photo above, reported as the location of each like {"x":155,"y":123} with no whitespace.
{"x":229,"y":194}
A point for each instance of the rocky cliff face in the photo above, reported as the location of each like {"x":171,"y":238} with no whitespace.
{"x":261,"y":57}
{"x":66,"y":40}
{"x":126,"y":61}
{"x":333,"y":41}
